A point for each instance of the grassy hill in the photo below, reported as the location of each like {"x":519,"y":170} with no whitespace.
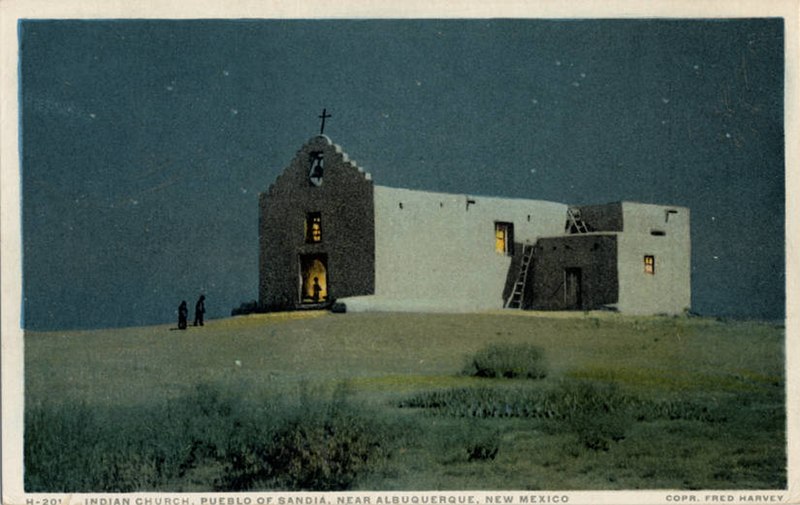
{"x":313,"y":400}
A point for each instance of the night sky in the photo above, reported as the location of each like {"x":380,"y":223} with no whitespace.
{"x":145,"y":143}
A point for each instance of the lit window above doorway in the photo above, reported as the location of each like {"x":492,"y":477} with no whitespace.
{"x":313,"y":227}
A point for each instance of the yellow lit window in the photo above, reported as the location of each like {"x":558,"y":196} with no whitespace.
{"x":504,"y":238}
{"x":499,"y":240}
{"x":313,"y":227}
{"x":650,"y":265}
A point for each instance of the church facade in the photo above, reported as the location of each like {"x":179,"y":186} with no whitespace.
{"x":330,"y":237}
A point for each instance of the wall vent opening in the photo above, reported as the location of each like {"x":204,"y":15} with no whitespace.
{"x":667,"y":213}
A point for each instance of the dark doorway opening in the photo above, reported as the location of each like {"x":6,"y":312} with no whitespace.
{"x":313,"y":278}
{"x":572,"y":288}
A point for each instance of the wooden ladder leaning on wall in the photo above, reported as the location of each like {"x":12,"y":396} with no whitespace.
{"x":515,"y":299}
{"x":575,"y":223}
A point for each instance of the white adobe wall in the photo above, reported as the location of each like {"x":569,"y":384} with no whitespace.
{"x":669,"y":290}
{"x":435,"y":253}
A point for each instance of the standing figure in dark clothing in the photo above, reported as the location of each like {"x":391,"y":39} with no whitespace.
{"x":317,"y":288}
{"x":199,"y":310}
{"x":183,"y":315}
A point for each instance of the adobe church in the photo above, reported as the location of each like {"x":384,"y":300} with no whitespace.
{"x":330,"y":237}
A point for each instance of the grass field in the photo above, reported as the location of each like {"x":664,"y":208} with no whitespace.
{"x":313,"y":400}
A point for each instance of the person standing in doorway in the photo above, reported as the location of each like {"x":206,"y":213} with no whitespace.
{"x":317,"y":288}
{"x":199,"y":310}
{"x":183,"y":315}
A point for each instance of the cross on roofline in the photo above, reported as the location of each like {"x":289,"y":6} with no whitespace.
{"x":323,"y":116}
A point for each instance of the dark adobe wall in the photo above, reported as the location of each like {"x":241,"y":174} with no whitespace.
{"x":594,"y":255}
{"x":606,"y":217}
{"x":345,"y":201}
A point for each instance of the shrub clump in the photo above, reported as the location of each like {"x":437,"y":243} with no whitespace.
{"x":598,"y":414}
{"x":483,"y":448}
{"x":508,"y":361}
{"x":309,"y":449}
{"x":245,"y":308}
{"x":210,"y":437}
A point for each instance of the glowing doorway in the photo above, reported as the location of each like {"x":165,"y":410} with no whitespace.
{"x":313,"y":278}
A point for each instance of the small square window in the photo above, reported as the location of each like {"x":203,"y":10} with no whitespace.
{"x":313,"y":227}
{"x":504,"y":238}
{"x":650,"y":265}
